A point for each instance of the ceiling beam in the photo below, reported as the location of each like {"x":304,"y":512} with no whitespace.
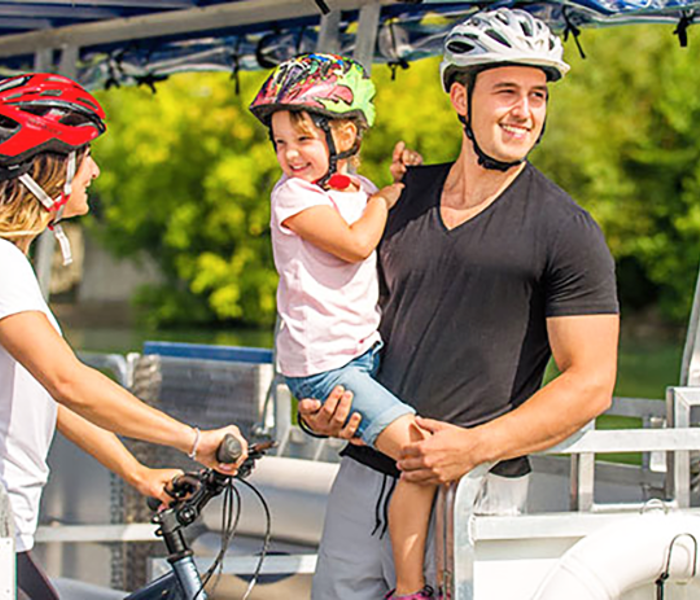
{"x":22,"y":23}
{"x":209,"y":18}
{"x":55,"y":12}
{"x":115,"y":3}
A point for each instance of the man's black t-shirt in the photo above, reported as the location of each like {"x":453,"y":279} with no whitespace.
{"x":464,"y":310}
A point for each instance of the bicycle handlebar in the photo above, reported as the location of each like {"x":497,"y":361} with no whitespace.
{"x":230,"y":450}
{"x":192,"y":491}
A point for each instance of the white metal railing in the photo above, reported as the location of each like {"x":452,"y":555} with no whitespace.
{"x":455,"y":545}
{"x":454,"y":505}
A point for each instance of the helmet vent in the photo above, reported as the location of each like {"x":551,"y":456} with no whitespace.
{"x":74,"y":119}
{"x":88,"y":102}
{"x":36,"y":110}
{"x":54,"y":93}
{"x":12,"y":83}
{"x":7,"y":124}
{"x":493,"y":34}
{"x":527,"y":30}
{"x":459,"y":47}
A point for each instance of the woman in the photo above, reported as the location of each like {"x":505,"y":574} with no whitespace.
{"x":46,"y":125}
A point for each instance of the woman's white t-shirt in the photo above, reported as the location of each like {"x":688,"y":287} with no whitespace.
{"x":27,"y":412}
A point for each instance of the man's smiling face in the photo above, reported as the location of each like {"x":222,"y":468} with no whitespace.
{"x":509,"y":106}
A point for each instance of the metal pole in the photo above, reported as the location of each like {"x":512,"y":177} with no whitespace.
{"x":690,"y":367}
{"x":328,"y":38}
{"x":366,"y":38}
{"x":69,"y":59}
{"x":45,"y":245}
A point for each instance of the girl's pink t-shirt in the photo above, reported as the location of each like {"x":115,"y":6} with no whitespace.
{"x":327,"y":306}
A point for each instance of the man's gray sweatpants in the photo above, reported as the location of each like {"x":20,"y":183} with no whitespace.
{"x":356,"y":564}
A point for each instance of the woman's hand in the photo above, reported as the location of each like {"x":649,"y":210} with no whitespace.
{"x":401,"y":159}
{"x":209,"y":442}
{"x":330,"y":418}
{"x":151,"y":482}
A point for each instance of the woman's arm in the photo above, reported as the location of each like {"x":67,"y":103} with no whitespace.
{"x":323,"y":227}
{"x":106,"y":448}
{"x":35,"y":344}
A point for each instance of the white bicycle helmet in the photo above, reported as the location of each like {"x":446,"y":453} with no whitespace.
{"x":508,"y":36}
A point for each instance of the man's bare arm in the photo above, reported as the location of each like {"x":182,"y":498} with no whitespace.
{"x":585,"y":351}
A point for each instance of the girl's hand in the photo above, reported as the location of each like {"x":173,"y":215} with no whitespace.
{"x":390,"y":194}
{"x":401,"y":159}
{"x":151,"y":482}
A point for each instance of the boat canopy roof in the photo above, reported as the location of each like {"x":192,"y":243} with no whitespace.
{"x":110,"y":42}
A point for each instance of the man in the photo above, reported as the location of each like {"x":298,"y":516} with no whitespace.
{"x":488,"y":268}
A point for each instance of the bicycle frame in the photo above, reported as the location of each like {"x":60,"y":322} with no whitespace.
{"x":182,"y":583}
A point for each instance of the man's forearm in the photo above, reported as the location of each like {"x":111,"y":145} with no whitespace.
{"x":550,"y":416}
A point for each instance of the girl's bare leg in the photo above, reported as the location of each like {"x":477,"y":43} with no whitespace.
{"x":409,"y":510}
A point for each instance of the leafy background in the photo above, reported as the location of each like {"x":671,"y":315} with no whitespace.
{"x":187,"y":173}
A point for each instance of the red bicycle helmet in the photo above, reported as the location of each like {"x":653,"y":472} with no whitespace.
{"x":44,"y":112}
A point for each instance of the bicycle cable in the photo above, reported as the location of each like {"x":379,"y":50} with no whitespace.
{"x":266,"y":539}
{"x":229,"y":526}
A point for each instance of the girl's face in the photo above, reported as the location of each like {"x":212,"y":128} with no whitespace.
{"x":301,"y":153}
{"x":77,"y":203}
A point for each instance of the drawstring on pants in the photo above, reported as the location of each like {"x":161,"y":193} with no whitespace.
{"x":381,"y":509}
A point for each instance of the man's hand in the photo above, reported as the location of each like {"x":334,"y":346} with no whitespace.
{"x":401,"y":159}
{"x":331,"y":417}
{"x":447,"y":455}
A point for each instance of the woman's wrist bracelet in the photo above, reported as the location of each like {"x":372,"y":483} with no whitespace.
{"x":197,"y":435}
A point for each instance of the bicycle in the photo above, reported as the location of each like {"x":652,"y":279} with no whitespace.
{"x":191,"y":492}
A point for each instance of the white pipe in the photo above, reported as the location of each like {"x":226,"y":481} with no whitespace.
{"x":296,"y":491}
{"x":615,"y":559}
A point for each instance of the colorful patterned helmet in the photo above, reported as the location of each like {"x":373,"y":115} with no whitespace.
{"x":43,"y":112}
{"x":324,"y":84}
{"x":502,"y":36}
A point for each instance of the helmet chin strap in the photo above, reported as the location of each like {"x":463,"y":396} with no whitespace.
{"x":56,"y":205}
{"x":342,"y":181}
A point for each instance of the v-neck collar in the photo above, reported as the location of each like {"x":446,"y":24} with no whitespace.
{"x":497,"y":200}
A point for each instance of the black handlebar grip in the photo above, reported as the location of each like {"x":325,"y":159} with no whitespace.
{"x":230,"y":450}
{"x":153,"y":503}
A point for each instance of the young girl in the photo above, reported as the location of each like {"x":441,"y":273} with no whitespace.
{"x":326,"y":224}
{"x":46,"y":125}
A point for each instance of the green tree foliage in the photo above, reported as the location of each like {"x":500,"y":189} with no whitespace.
{"x":187,"y":172}
{"x":622,"y":139}
{"x":187,"y":175}
{"x":186,"y":178}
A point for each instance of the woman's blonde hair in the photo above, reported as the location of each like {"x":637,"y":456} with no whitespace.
{"x":22,"y":216}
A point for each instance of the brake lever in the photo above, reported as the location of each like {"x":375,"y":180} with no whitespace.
{"x":255,"y":452}
{"x":187,"y":484}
